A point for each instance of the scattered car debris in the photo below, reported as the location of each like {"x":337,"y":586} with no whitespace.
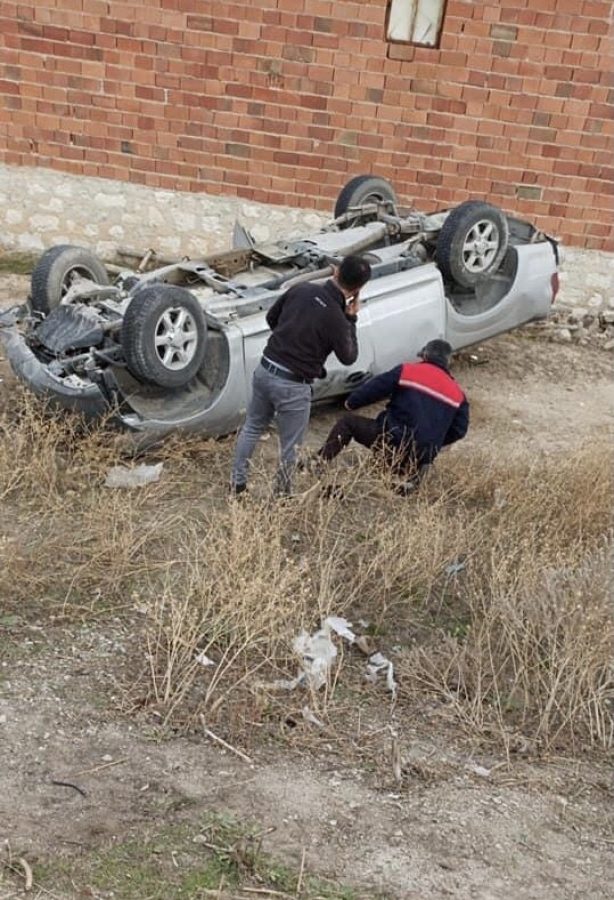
{"x":125,"y":477}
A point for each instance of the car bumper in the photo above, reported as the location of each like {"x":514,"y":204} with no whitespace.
{"x":94,"y":403}
{"x":85,"y":399}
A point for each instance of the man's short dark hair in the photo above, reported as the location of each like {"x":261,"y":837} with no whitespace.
{"x":436,"y":351}
{"x":353,"y":272}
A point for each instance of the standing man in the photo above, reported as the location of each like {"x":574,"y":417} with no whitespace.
{"x":308,"y":322}
{"x":426,"y":411}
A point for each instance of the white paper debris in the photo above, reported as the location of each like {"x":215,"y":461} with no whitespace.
{"x":380,"y":663}
{"x":317,"y":653}
{"x":341,"y":627}
{"x":203,"y":659}
{"x":124,"y":477}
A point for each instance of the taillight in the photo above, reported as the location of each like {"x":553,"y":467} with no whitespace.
{"x":554,"y":284}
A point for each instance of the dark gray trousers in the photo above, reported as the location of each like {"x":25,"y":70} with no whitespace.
{"x":289,"y":402}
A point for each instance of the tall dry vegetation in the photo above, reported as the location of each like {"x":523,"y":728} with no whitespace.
{"x":514,"y":639}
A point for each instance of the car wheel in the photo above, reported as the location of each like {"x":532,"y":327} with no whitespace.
{"x":364,"y":189}
{"x":472,"y":243}
{"x":164,"y":335}
{"x":57,"y":270}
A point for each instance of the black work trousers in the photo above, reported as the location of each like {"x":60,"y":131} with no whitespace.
{"x":369,"y":432}
{"x":365,"y":431}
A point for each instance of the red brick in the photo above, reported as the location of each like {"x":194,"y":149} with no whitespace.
{"x":601,"y":9}
{"x":454,"y":116}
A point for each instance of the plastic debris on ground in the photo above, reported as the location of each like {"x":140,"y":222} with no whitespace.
{"x":124,"y":477}
{"x":341,"y":627}
{"x":317,"y":653}
{"x":380,"y":664}
{"x":203,"y":659}
{"x":455,"y":567}
{"x":344,"y":629}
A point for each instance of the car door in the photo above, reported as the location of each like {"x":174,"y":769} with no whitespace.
{"x":341,"y":379}
{"x":406,"y":309}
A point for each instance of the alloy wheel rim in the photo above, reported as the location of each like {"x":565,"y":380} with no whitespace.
{"x":176,"y":338}
{"x":480,"y":246}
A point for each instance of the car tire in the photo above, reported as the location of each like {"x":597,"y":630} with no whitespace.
{"x":164,"y":335}
{"x":363,"y":189}
{"x":55,"y":271}
{"x":472,"y":243}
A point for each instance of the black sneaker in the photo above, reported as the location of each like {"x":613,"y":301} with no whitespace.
{"x":238,"y":490}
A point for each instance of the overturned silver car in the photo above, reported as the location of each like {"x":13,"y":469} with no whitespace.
{"x":174,"y":346}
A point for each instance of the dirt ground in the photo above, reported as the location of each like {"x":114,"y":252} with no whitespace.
{"x":463,"y":824}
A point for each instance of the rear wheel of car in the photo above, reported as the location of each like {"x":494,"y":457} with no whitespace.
{"x":58,"y":269}
{"x":472,"y":243}
{"x":164,"y":335}
{"x":364,"y":189}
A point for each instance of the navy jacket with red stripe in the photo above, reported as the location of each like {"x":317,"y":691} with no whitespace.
{"x":427,"y":408}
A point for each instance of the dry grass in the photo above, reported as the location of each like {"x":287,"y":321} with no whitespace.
{"x":517,"y":643}
{"x":529,"y":655}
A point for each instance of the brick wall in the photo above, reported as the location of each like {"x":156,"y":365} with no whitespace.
{"x":282,"y":101}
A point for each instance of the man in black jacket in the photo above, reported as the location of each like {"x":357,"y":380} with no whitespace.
{"x":427,"y":410}
{"x":308,"y":322}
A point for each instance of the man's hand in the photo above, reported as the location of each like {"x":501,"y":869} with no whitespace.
{"x":352,"y":306}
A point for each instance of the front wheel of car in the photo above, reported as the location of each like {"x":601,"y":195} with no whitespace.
{"x":164,"y":335}
{"x":364,"y":189}
{"x":58,"y":269}
{"x":472,"y":243}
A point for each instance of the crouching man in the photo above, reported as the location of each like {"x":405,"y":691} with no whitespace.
{"x":426,"y":411}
